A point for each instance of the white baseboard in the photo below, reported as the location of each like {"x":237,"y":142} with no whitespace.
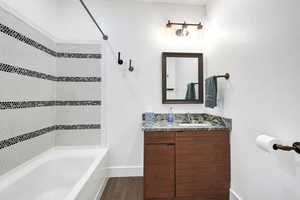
{"x":125,"y":171}
{"x":234,"y":195}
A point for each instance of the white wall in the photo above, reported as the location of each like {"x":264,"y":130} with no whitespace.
{"x":258,"y":43}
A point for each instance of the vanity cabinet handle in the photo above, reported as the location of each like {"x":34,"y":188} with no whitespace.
{"x":171,"y":144}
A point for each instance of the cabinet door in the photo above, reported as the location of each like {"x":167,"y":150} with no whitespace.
{"x":159,"y":172}
{"x":202,"y":164}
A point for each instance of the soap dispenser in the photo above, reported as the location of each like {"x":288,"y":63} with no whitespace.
{"x":171,"y":116}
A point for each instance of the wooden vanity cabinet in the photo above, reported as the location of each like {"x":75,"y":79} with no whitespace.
{"x":187,"y":165}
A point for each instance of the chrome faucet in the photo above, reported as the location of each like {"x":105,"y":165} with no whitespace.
{"x":189,"y":117}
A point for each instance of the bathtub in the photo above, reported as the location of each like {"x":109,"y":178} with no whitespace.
{"x":61,"y":173}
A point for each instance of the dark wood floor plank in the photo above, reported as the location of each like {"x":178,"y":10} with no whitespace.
{"x":131,"y":188}
{"x":109,"y":189}
{"x":140,"y":187}
{"x":128,"y":188}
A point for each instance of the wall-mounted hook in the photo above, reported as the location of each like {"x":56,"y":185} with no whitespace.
{"x":120,"y":61}
{"x":130,"y":66}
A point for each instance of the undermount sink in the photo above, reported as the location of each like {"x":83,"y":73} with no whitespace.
{"x":195,"y":125}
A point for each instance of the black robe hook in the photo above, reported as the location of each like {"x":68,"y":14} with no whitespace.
{"x":130,"y":66}
{"x":120,"y":61}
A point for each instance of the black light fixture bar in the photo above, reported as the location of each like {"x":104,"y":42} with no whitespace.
{"x":169,"y":24}
{"x":105,"y":37}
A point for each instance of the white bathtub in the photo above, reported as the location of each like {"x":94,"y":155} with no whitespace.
{"x":67,"y":173}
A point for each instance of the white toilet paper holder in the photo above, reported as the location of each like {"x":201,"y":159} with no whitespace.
{"x":295,"y":147}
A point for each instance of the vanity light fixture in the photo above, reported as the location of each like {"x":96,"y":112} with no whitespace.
{"x":182,"y":31}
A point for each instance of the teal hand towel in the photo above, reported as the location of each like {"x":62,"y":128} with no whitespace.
{"x":191,"y":92}
{"x":211,"y":92}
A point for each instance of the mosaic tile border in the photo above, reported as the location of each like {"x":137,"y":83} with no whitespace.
{"x":27,"y":136}
{"x":12,"y":33}
{"x":26,"y":72}
{"x":78,"y":126}
{"x":14,"y":140}
{"x":78,"y":55}
{"x":29,"y":104}
{"x":77,"y":79}
{"x":77,"y":103}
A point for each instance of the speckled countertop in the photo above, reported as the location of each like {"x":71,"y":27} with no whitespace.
{"x":208,"y":122}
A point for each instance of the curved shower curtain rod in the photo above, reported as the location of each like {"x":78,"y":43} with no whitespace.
{"x":104,"y":36}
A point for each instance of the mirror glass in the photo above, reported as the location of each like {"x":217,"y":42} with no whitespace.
{"x":182,"y":78}
{"x":181,"y":73}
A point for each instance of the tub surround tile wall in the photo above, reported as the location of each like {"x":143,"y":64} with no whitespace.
{"x":77,"y":103}
{"x":78,"y":114}
{"x":62,"y":137}
{"x":20,"y":138}
{"x":30,"y":104}
{"x":16,"y":51}
{"x":26,"y":72}
{"x":78,"y":79}
{"x":78,"y":91}
{"x":78,"y":55}
{"x":19,"y":153}
{"x":74,"y":67}
{"x":78,"y":126}
{"x":27,"y":136}
{"x":8,"y":31}
{"x":46,"y":88}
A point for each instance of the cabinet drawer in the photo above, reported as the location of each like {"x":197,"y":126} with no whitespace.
{"x":159,"y":137}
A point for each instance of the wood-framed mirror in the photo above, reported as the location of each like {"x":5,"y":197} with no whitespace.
{"x":182,"y":78}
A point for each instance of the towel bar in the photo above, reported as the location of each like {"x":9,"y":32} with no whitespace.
{"x":226,"y":76}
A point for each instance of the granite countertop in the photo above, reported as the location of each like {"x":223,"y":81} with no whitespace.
{"x":209,"y":122}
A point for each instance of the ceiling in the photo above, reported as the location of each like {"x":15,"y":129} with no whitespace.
{"x":183,"y":2}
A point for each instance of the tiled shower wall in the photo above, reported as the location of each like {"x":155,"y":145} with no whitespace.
{"x":89,"y":89}
{"x":50,"y":94}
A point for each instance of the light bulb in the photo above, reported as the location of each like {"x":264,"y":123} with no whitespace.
{"x":182,"y":32}
{"x":185,"y":32}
